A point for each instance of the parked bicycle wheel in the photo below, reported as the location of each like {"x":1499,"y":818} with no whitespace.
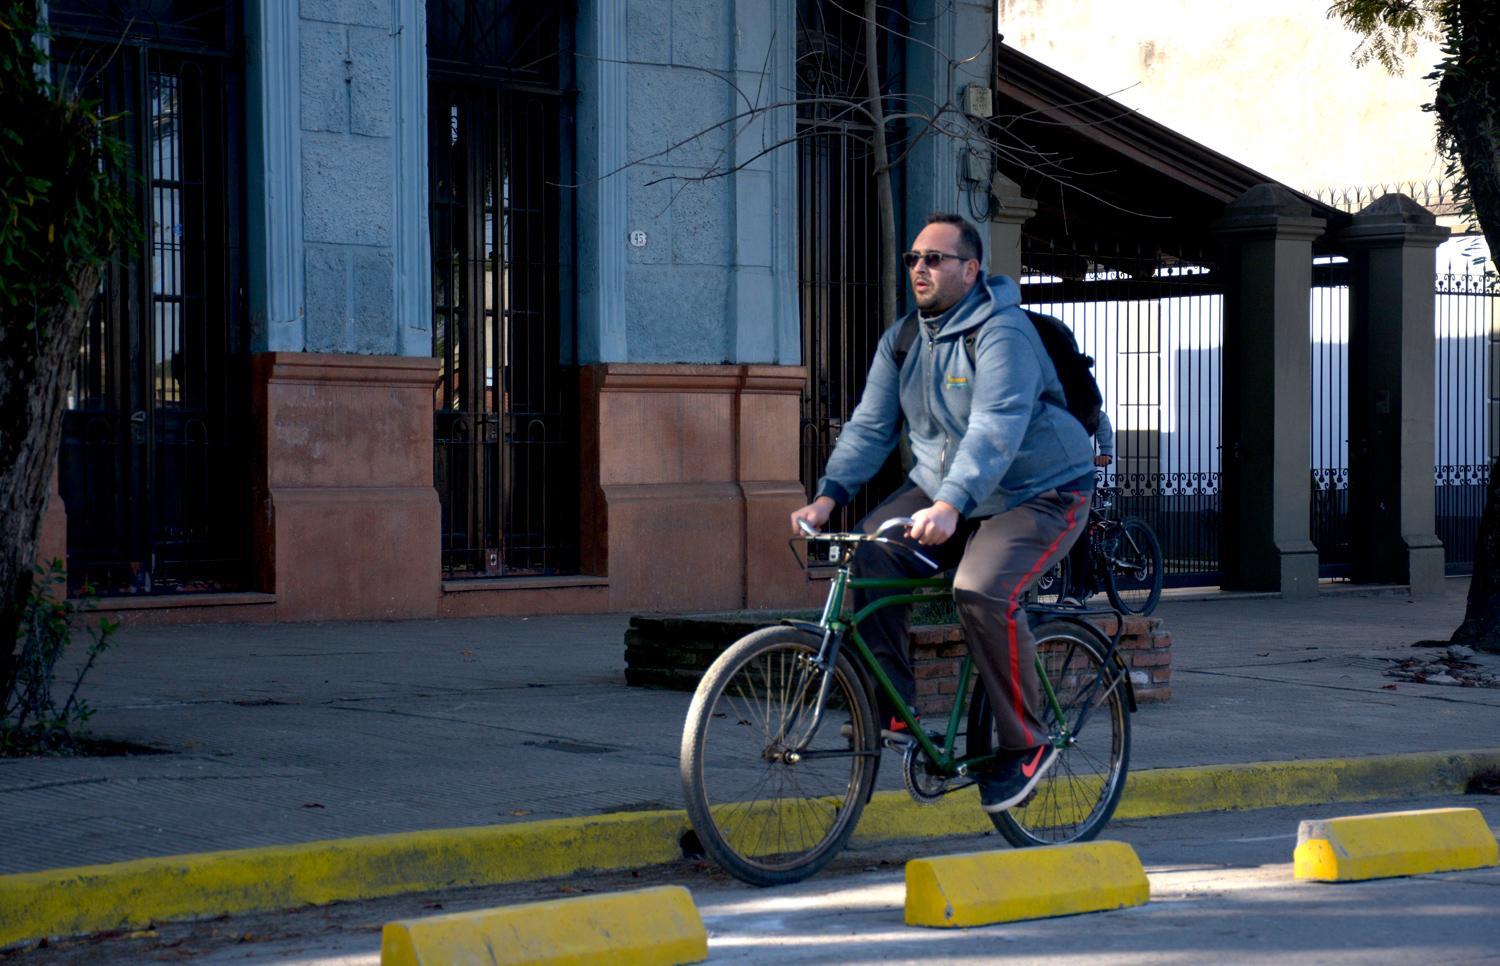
{"x":1052,"y":586}
{"x":770,"y":804}
{"x":1132,"y":572}
{"x":1090,"y":725}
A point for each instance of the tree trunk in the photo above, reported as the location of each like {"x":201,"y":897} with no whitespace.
{"x":888,"y":254}
{"x":36,"y":364}
{"x":1468,"y":105}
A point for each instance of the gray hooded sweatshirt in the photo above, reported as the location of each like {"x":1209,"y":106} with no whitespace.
{"x":985,"y":437}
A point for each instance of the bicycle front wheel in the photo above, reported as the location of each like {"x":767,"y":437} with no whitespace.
{"x":773,"y":795}
{"x":1133,"y":568}
{"x":1089,"y":724}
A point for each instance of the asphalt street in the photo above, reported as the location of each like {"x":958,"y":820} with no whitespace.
{"x":1221,"y":883}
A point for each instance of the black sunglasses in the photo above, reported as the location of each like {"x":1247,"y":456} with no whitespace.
{"x":931,"y":259}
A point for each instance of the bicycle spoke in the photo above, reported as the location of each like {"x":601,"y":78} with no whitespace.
{"x":762,"y":807}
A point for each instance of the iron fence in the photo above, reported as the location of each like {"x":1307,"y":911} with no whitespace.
{"x":1328,"y":414}
{"x":1436,"y":195}
{"x":1465,"y":323}
{"x":1154,"y":325}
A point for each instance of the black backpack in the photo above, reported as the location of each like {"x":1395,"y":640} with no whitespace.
{"x":1074,"y":369}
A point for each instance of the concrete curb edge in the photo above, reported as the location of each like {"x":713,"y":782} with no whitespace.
{"x":65,"y":902}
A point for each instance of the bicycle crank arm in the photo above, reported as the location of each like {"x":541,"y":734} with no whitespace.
{"x":816,"y":755}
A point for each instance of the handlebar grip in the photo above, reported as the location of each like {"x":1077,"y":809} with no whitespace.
{"x":902,"y":522}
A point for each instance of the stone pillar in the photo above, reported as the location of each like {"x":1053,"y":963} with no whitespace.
{"x":1267,"y":236}
{"x":689,"y":482}
{"x":347,"y":520}
{"x":1392,"y":245}
{"x":1011,"y":211}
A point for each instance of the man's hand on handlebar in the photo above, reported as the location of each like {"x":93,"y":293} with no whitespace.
{"x":934,"y":525}
{"x":815,"y":514}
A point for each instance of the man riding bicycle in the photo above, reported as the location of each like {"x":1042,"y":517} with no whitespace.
{"x":999,"y":485}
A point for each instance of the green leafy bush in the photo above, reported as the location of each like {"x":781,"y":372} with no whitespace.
{"x":32,"y":722}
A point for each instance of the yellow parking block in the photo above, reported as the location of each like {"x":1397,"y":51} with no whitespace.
{"x":658,"y":926}
{"x":979,"y":888}
{"x":1393,"y":844}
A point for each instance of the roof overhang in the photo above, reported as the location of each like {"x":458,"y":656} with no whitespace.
{"x":1103,"y":173}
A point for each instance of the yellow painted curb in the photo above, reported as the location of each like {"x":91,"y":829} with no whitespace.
{"x":981,"y":888}
{"x":649,"y":927}
{"x":67,"y":902}
{"x":1208,"y":788}
{"x":1358,"y":847}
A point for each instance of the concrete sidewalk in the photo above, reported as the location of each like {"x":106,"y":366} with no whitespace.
{"x":281,"y":734}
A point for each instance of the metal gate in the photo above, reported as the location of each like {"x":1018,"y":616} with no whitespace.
{"x":1328,"y":483}
{"x":1154,"y":324}
{"x":1465,"y":321}
{"x":154,"y":464}
{"x":506,"y":458}
{"x":838,"y":242}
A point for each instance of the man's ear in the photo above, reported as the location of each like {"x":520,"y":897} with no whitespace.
{"x":971,"y":271}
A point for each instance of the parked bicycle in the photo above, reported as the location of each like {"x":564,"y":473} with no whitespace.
{"x":1124,"y":562}
{"x":781,"y":746}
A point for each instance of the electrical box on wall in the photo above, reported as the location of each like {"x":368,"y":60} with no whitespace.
{"x":977,"y":167}
{"x":979,"y":101}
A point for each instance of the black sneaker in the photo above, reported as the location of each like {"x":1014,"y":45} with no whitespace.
{"x":1014,"y":777}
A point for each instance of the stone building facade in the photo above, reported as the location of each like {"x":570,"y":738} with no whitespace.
{"x":318,"y":392}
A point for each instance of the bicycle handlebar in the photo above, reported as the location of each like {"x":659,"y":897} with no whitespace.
{"x":809,"y":532}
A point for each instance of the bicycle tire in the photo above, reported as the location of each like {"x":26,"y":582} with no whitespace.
{"x":1132,"y":568}
{"x":1052,"y":585}
{"x":1075,"y":799}
{"x":765,"y":820}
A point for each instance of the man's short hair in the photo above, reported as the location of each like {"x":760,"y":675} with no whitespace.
{"x":968,"y":235}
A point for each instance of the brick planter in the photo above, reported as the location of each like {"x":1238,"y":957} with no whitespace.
{"x":673,"y":652}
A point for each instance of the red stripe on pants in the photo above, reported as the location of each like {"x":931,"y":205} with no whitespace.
{"x":1013,"y":604}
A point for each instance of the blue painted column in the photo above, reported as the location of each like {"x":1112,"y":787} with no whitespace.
{"x":601,"y":38}
{"x":763,"y":281}
{"x":274,"y":177}
{"x":952,"y":46}
{"x":413,"y":254}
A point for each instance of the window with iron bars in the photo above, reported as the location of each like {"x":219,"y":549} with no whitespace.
{"x":506,"y":459}
{"x":838,"y":242}
{"x":154,"y":457}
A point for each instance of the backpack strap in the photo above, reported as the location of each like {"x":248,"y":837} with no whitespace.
{"x":905,"y":339}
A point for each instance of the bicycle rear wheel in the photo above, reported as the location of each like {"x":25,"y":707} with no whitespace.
{"x":1076,"y":798}
{"x":768,"y":805}
{"x":1132,"y":571}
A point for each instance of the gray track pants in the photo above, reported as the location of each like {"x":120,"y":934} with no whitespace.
{"x":998,"y":560}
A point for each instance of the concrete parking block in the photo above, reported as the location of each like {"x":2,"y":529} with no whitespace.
{"x":1389,"y":844}
{"x":650,"y":927}
{"x":980,"y":888}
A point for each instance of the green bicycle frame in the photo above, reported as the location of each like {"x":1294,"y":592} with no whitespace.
{"x":836,"y":628}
